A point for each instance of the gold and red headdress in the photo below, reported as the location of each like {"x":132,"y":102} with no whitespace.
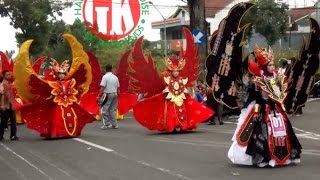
{"x":57,"y":68}
{"x":263,"y":55}
{"x":175,"y":63}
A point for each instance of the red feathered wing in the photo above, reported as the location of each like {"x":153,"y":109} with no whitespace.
{"x":39,"y":88}
{"x":126,"y":99}
{"x":96,"y":73}
{"x":123,"y":74}
{"x":88,"y":101}
{"x":5,"y":63}
{"x":191,"y":69}
{"x":37,"y":64}
{"x":144,"y":78}
{"x":48,"y":75}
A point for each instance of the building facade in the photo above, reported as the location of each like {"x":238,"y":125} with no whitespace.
{"x":298,"y":25}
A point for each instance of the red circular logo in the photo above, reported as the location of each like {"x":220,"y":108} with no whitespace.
{"x":111,"y":19}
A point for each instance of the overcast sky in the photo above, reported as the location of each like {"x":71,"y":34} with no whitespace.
{"x":166,"y":7}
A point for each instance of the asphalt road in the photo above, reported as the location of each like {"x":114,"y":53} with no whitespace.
{"x":134,"y":153}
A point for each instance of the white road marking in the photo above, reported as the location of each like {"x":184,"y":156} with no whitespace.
{"x":213,"y":144}
{"x":228,"y":122}
{"x":307,"y":134}
{"x":26,"y":161}
{"x":93,"y":145}
{"x":312,"y":152}
{"x":314,"y":134}
{"x":167,"y":171}
{"x":4,"y":161}
{"x":313,"y":99}
{"x":53,"y":165}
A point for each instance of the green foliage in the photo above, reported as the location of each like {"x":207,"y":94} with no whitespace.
{"x":317,"y":74}
{"x":278,"y":57}
{"x":269,"y":19}
{"x":37,"y":20}
{"x":34,"y":18}
{"x":57,"y":47}
{"x":110,"y":56}
{"x":159,"y":63}
{"x":89,"y":41}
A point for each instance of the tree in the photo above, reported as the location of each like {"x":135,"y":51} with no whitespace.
{"x":89,"y":41}
{"x":59,"y":49}
{"x":198,"y":21}
{"x":269,"y":19}
{"x":34,"y":19}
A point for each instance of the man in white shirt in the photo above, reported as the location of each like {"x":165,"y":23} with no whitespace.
{"x":283,"y":67}
{"x":108,"y":99}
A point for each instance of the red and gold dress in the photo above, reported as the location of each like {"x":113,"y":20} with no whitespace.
{"x":53,"y":109}
{"x":59,"y":115}
{"x":174,"y":108}
{"x":167,"y":106}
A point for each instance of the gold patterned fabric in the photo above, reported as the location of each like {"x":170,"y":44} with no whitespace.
{"x":274,"y":87}
{"x":176,"y":89}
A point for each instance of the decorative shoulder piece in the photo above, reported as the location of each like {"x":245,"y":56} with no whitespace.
{"x":275,"y":88}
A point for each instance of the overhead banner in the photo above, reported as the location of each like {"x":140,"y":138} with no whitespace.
{"x":114,"y":20}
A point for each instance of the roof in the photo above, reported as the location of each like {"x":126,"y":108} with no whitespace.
{"x":213,"y":7}
{"x":297,"y":13}
{"x":170,"y":22}
{"x":180,"y":8}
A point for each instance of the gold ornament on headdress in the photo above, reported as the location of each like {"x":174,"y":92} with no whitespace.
{"x":59,"y":68}
{"x":172,"y":66}
{"x":263,"y":55}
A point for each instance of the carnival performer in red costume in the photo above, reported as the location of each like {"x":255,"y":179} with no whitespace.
{"x":167,"y":105}
{"x":264,"y":135}
{"x":53,"y":110}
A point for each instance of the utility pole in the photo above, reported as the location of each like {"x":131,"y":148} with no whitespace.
{"x":165,"y":29}
{"x":198,"y":21}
